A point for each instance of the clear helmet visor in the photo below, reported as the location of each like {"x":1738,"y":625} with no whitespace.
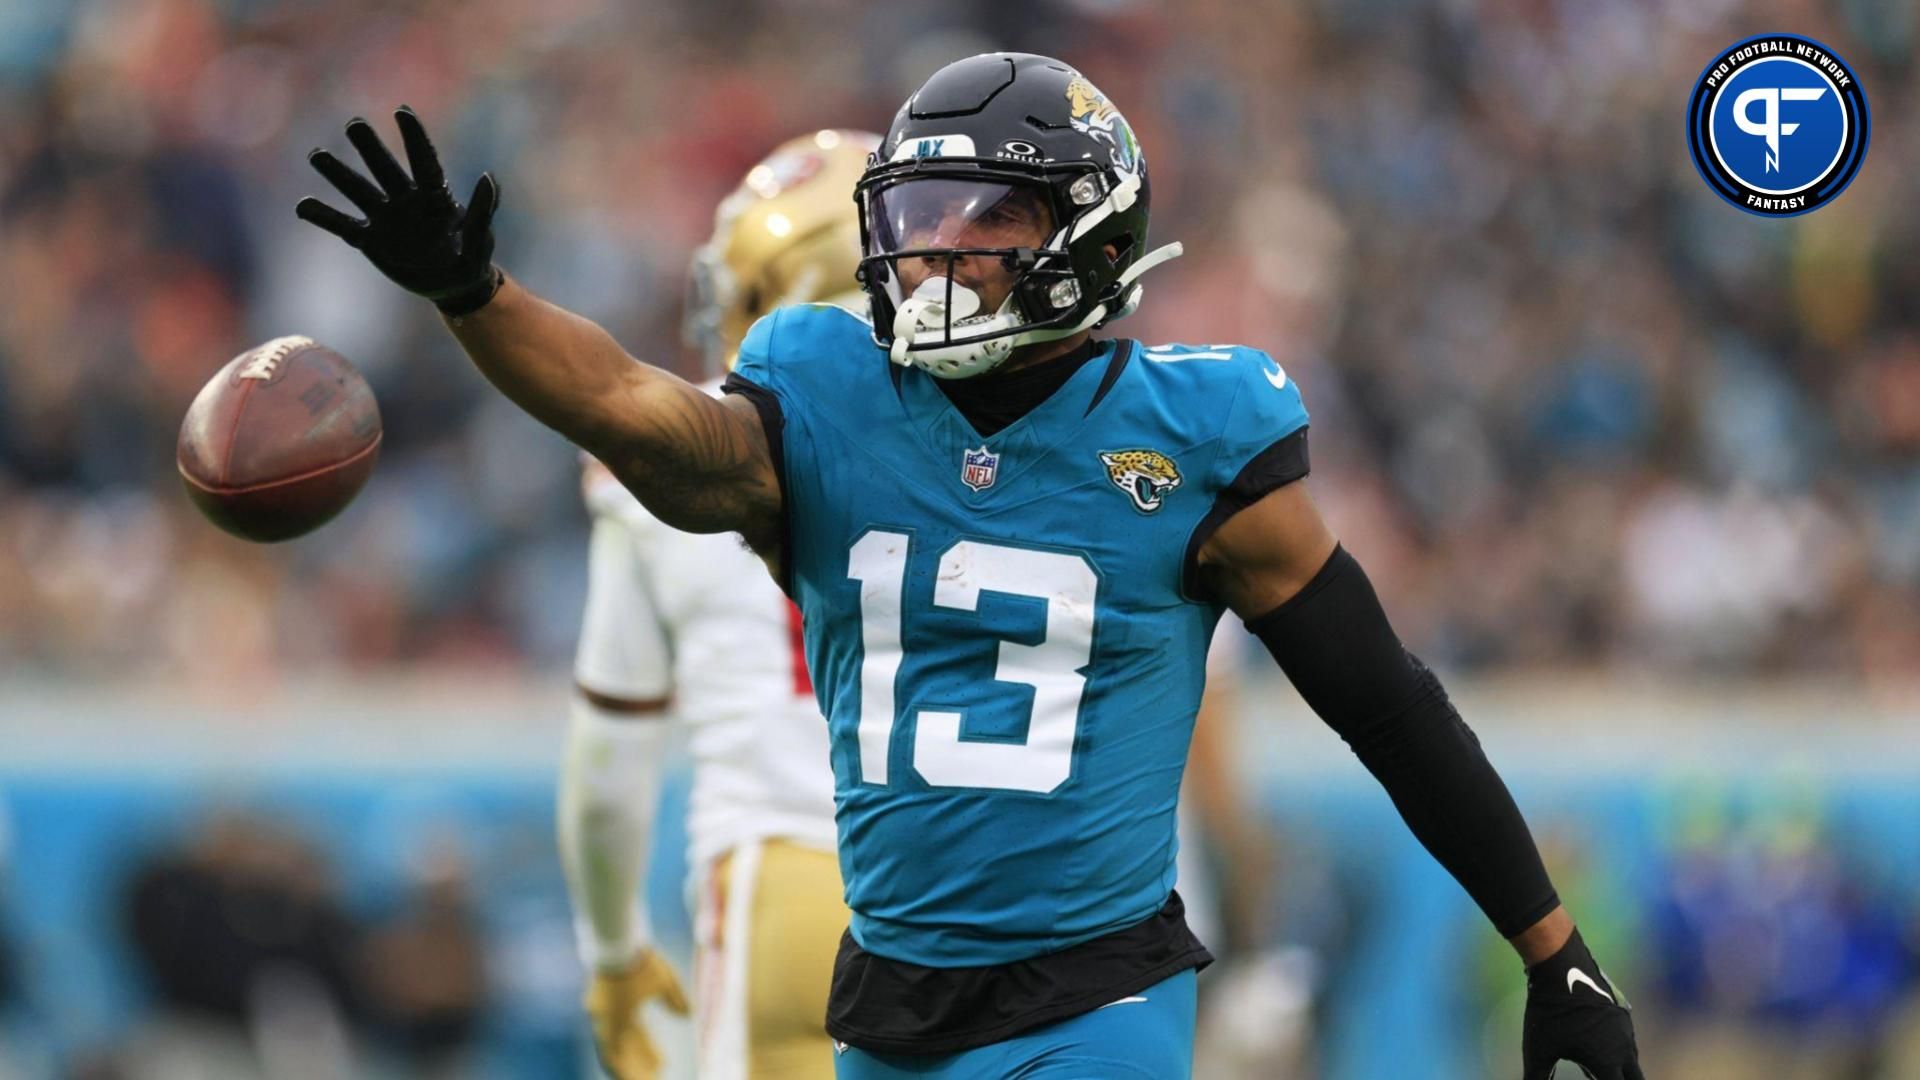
{"x":966,"y":233}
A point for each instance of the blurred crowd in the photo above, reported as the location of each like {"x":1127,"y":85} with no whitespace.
{"x":411,"y":931}
{"x":1569,"y":407}
{"x":255,"y":964}
{"x":1761,"y":929}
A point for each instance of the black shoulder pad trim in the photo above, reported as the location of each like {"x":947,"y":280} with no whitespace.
{"x":1275,"y":467}
{"x":1123,"y":351}
{"x":774,"y":421}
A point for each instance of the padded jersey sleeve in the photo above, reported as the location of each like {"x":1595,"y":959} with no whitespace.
{"x":1262,"y":446}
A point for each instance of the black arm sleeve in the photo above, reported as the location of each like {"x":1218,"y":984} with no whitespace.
{"x":1333,"y":641}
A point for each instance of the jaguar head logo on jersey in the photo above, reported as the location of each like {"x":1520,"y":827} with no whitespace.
{"x":978,"y":468}
{"x":1146,"y":476}
{"x":1777,"y":125}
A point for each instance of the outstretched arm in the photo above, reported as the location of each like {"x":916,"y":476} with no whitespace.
{"x":700,"y":464}
{"x":1279,"y":567}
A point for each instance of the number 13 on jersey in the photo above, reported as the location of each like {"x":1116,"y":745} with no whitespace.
{"x":1055,"y":667}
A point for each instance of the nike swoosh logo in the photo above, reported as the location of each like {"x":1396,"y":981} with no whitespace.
{"x":1575,"y":975}
{"x":1278,"y":377}
{"x":1122,"y":1001}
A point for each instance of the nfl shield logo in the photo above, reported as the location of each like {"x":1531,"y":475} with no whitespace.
{"x":977,"y":468}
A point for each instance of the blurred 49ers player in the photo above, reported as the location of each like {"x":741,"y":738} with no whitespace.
{"x":693,"y":627}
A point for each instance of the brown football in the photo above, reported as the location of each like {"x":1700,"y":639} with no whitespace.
{"x":280,"y":440}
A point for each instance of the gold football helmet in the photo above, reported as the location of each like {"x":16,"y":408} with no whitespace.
{"x":788,"y":235}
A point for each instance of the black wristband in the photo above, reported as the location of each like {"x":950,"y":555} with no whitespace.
{"x":1334,"y":642}
{"x":469,"y":300}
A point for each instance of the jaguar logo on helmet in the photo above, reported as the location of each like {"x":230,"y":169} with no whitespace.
{"x":1090,"y":113}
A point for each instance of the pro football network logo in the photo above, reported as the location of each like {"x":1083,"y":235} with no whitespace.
{"x":978,"y":468}
{"x":1778,"y":125}
{"x":1144,"y":475}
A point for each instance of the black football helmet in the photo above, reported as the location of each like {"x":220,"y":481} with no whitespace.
{"x":996,"y":147}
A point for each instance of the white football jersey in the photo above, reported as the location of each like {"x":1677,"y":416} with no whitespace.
{"x":698,"y":620}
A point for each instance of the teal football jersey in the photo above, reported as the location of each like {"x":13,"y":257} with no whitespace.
{"x":1003,"y":631}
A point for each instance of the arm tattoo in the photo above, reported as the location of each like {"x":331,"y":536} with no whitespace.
{"x":704,"y":465}
{"x":697,"y":463}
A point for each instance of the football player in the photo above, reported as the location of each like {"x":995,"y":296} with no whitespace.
{"x":690,"y":625}
{"x":1011,"y":542}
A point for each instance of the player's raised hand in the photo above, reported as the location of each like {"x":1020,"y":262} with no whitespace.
{"x":1575,"y":1014}
{"x":613,"y":1003}
{"x":414,"y":230}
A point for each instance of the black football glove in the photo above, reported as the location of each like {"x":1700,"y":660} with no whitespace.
{"x":1575,"y":1014}
{"x":415,"y":231}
